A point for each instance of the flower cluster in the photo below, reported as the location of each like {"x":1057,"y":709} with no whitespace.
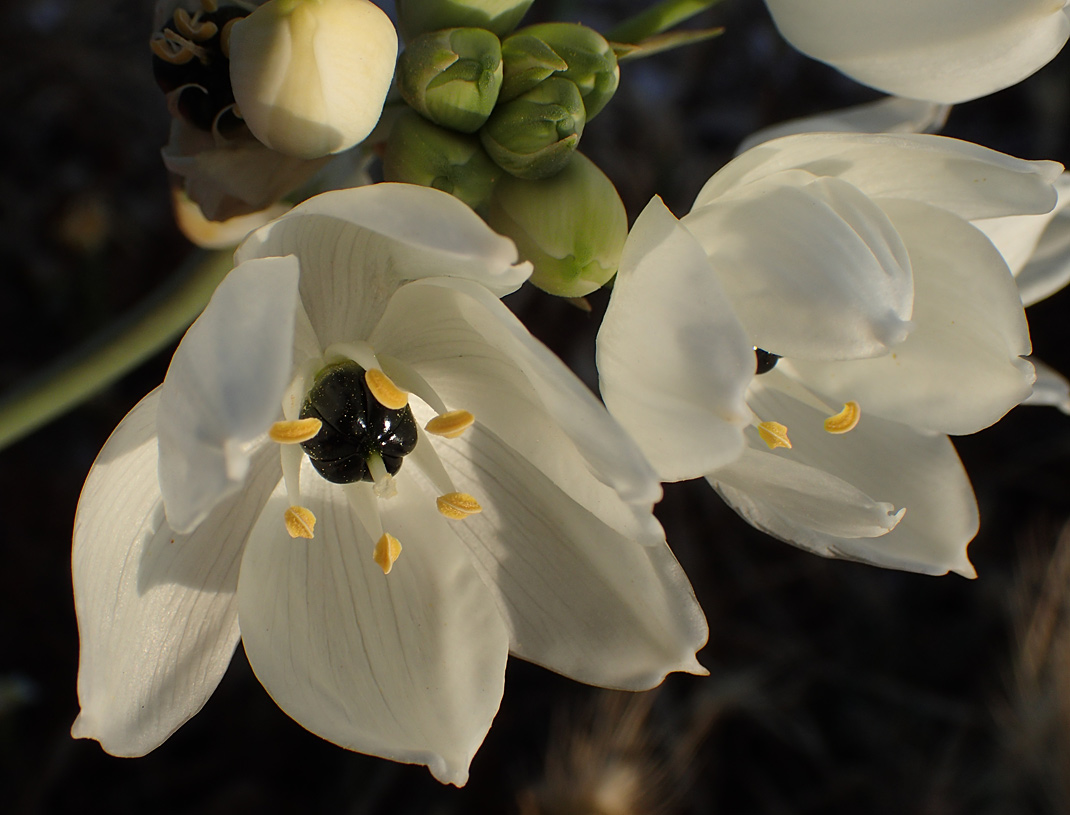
{"x":362,"y":466}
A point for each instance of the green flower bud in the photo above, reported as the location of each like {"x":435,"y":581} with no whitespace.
{"x":572,"y":227}
{"x":419,"y":152}
{"x":452,"y":77}
{"x":567,"y":50}
{"x":416,"y":17}
{"x":534,"y":135}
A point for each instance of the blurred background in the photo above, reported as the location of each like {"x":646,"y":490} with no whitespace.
{"x":834,"y":687}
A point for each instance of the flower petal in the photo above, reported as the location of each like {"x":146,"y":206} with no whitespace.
{"x":912,"y":470}
{"x":357,"y":246}
{"x":580,"y":598}
{"x":1036,"y":247}
{"x":960,"y":369}
{"x":893,"y":114}
{"x":971,"y":181}
{"x":945,"y":50}
{"x":812,"y":267}
{"x":1051,"y":388}
{"x":157,"y":614}
{"x":477,"y":356}
{"x":224,"y":387}
{"x":673,"y":361}
{"x":409,"y":666}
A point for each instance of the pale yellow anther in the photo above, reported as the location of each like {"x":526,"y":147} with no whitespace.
{"x":386,"y":552}
{"x":774,"y":434}
{"x":386,"y":393}
{"x":458,"y":505}
{"x":451,"y":424}
{"x":193,"y":26}
{"x":845,"y":420}
{"x":168,"y":50}
{"x":294,"y":432}
{"x":300,"y":522}
{"x":224,"y":36}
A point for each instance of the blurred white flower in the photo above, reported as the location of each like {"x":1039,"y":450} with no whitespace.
{"x":310,"y":76}
{"x":881,"y":318}
{"x":940,"y":50}
{"x":522,"y":509}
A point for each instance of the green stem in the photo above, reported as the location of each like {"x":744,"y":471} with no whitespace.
{"x":153,"y":324}
{"x":656,"y":19}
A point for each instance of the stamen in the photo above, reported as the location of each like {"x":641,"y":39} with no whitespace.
{"x":210,"y":5}
{"x":774,"y":434}
{"x":386,"y":393}
{"x":386,"y":552}
{"x":193,"y":26}
{"x":450,"y":425}
{"x":224,"y":36}
{"x":167,"y":49}
{"x":294,"y":432}
{"x":458,"y":505}
{"x":300,"y":522}
{"x":384,"y":486}
{"x":845,"y":420}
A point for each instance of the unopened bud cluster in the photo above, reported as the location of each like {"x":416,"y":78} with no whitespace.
{"x":496,"y":120}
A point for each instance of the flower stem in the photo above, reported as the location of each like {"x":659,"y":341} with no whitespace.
{"x":154,"y":323}
{"x":657,"y":18}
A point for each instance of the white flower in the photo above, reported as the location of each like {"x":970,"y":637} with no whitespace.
{"x":184,"y":540}
{"x":941,"y":50}
{"x":852,"y":258}
{"x":310,"y":76}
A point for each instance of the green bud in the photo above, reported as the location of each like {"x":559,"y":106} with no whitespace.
{"x":572,"y":227}
{"x":534,"y":135}
{"x":498,"y":16}
{"x":452,"y":76}
{"x":419,"y":152}
{"x":567,"y":50}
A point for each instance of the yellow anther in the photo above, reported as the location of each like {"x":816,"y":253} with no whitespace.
{"x":451,"y":424}
{"x":458,"y":505}
{"x":774,"y":434}
{"x":386,"y":393}
{"x":193,"y":26}
{"x":294,"y":432}
{"x":845,"y":420}
{"x":300,"y":522}
{"x":386,"y":552}
{"x":168,"y":50}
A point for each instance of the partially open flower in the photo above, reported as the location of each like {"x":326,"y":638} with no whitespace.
{"x":310,"y":76}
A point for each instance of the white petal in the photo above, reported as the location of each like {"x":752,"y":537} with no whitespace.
{"x":891,"y":462}
{"x":960,"y":369}
{"x":311,"y":78}
{"x":224,"y":387}
{"x":408,"y":666}
{"x":972,"y":181}
{"x":673,"y":361}
{"x":157,"y":613}
{"x":1036,"y":247}
{"x":812,"y":267}
{"x":356,"y":246}
{"x":893,"y":114}
{"x":1051,"y":388}
{"x":945,"y":50}
{"x":477,"y":356}
{"x":581,"y":598}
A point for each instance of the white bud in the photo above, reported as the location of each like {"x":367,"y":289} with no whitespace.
{"x":310,"y":76}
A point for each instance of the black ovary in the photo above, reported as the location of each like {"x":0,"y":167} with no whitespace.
{"x":764,"y":361}
{"x":355,"y":426}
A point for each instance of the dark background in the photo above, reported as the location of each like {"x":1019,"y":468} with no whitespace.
{"x":834,"y":687}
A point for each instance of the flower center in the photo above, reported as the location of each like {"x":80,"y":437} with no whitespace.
{"x":359,"y":435}
{"x":356,"y":427}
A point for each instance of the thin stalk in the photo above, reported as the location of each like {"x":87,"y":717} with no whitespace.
{"x":153,"y":324}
